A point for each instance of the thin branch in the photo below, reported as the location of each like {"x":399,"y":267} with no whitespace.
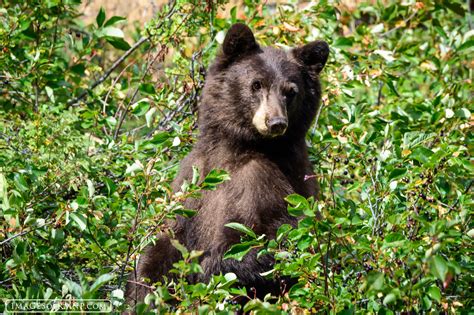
{"x":141,"y":284}
{"x":318,"y":114}
{"x":23,"y":233}
{"x":135,"y":93}
{"x":469,"y":16}
{"x":113,"y":84}
{"x":379,"y":96}
{"x":397,"y":27}
{"x":465,"y":192}
{"x":35,"y":109}
{"x":75,"y":101}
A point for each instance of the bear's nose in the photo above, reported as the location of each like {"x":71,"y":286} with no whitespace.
{"x":277,"y":125}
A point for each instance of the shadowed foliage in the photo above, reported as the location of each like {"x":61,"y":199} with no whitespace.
{"x":93,"y":125}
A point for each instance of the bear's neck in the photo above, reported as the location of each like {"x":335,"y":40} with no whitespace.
{"x":222,"y":151}
{"x":289,"y":155}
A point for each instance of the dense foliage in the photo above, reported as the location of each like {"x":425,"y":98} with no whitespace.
{"x":86,"y":159}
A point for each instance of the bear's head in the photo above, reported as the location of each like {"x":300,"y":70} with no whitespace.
{"x":255,"y":93}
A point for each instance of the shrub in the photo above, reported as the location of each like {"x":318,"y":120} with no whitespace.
{"x":89,"y":147}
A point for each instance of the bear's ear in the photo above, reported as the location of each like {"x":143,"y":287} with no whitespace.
{"x":313,"y":55}
{"x":239,"y":40}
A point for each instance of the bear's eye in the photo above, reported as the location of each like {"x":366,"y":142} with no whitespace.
{"x":256,"y":85}
{"x":290,"y":93}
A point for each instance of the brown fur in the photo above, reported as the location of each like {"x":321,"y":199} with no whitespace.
{"x":263,"y":169}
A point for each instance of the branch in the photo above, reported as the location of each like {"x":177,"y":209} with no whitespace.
{"x":74,"y":102}
{"x":150,"y":63}
{"x":24,"y":232}
{"x":141,"y":284}
{"x":379,"y":96}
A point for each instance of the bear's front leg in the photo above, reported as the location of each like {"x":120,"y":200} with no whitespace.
{"x":248,"y":272}
{"x":153,"y":265}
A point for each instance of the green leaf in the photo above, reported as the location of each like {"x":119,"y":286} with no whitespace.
{"x":374,"y":282}
{"x":426,"y":302}
{"x":113,"y":20}
{"x":90,"y":188}
{"x":4,"y":192}
{"x":100,"y":17}
{"x":141,"y":107}
{"x":74,"y":287}
{"x":282,"y":231}
{"x":114,"y":36}
{"x":241,"y":228}
{"x":297,"y":200}
{"x":251,"y":305}
{"x":50,"y":93}
{"x":455,"y":7}
{"x":147,"y":88}
{"x":79,"y":219}
{"x":238,"y":251}
{"x":214,"y":178}
{"x":298,"y":205}
{"x":304,"y":242}
{"x":439,"y":28}
{"x":118,"y":43}
{"x":349,"y":310}
{"x":466,"y":45}
{"x":463,"y":113}
{"x":438,"y":267}
{"x":20,"y":182}
{"x":149,"y":116}
{"x":421,"y":154}
{"x":57,"y":235}
{"x":111,"y":186}
{"x":391,"y":86}
{"x":389,"y":298}
{"x":343,"y":42}
{"x":183,"y":250}
{"x":160,"y":138}
{"x":394,"y":240}
{"x":435,"y":293}
{"x":101,"y":280}
{"x":111,"y":32}
{"x":396,"y":173}
{"x":187,"y":213}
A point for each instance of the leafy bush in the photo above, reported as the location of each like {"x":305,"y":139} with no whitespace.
{"x":89,"y":147}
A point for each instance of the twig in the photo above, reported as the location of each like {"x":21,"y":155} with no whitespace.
{"x":169,"y":117}
{"x":6,"y":280}
{"x":326,"y":258}
{"x":35,"y":84}
{"x":135,"y":93}
{"x":23,"y":233}
{"x":317,"y":115}
{"x":397,"y":27}
{"x":112,"y":259}
{"x":331,"y":184}
{"x":112,"y":86}
{"x":379,"y":96}
{"x":457,"y":199}
{"x":326,"y":284}
{"x":141,"y":284}
{"x":35,"y":109}
{"x":469,"y":16}
{"x":74,"y":102}
{"x":15,"y":236}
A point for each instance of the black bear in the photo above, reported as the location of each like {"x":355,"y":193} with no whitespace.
{"x":256,"y":107}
